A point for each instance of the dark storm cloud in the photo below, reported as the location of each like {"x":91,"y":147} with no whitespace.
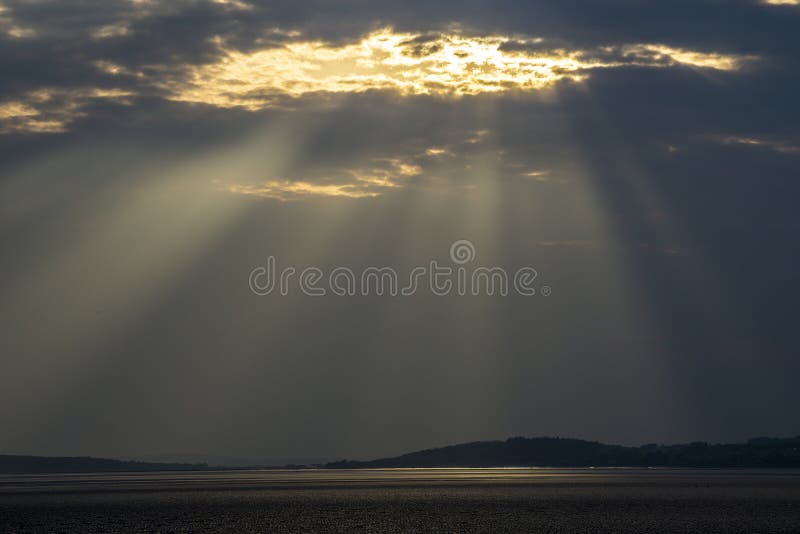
{"x":68,"y":37}
{"x":143,"y":49}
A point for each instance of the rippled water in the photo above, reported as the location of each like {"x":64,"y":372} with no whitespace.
{"x":350,"y":477}
{"x":406,"y":500}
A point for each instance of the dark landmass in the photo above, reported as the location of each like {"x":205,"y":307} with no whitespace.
{"x":42,"y":464}
{"x":222,"y":462}
{"x":514,"y":452}
{"x":559,"y":452}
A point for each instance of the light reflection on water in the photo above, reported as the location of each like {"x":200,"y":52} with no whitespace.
{"x":266,"y":479}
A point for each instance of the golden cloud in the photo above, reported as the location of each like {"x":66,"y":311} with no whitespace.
{"x":52,"y":110}
{"x":10,"y":28}
{"x":441,"y":64}
{"x":414,"y":64}
{"x":382,"y":175}
{"x":286,"y":190}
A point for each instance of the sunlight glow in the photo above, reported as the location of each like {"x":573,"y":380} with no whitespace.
{"x":413,"y":64}
{"x":688,"y":58}
{"x":447,"y":65}
{"x":372,"y":181}
{"x":288,"y":190}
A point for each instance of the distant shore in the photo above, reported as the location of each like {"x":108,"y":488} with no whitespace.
{"x":514,"y":452}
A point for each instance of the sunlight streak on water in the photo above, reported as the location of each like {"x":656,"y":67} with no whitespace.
{"x":280,"y":478}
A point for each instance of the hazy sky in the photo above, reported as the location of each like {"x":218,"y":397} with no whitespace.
{"x":642,"y":157}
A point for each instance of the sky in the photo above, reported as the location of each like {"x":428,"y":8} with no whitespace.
{"x":638,"y":160}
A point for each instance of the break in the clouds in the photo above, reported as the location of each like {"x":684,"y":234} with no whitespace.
{"x":245,"y":55}
{"x":417,"y":64}
{"x":442,"y":64}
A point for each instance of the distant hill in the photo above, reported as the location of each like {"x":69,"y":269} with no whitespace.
{"x":41,"y":464}
{"x":513,"y":452}
{"x":559,"y":452}
{"x":223,"y":462}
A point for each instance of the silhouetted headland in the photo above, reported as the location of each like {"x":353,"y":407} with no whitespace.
{"x":559,"y":452}
{"x":10,"y":464}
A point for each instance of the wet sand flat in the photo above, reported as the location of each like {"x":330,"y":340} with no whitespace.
{"x":419,"y":500}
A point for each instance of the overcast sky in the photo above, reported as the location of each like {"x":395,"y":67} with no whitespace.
{"x":642,"y":157}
